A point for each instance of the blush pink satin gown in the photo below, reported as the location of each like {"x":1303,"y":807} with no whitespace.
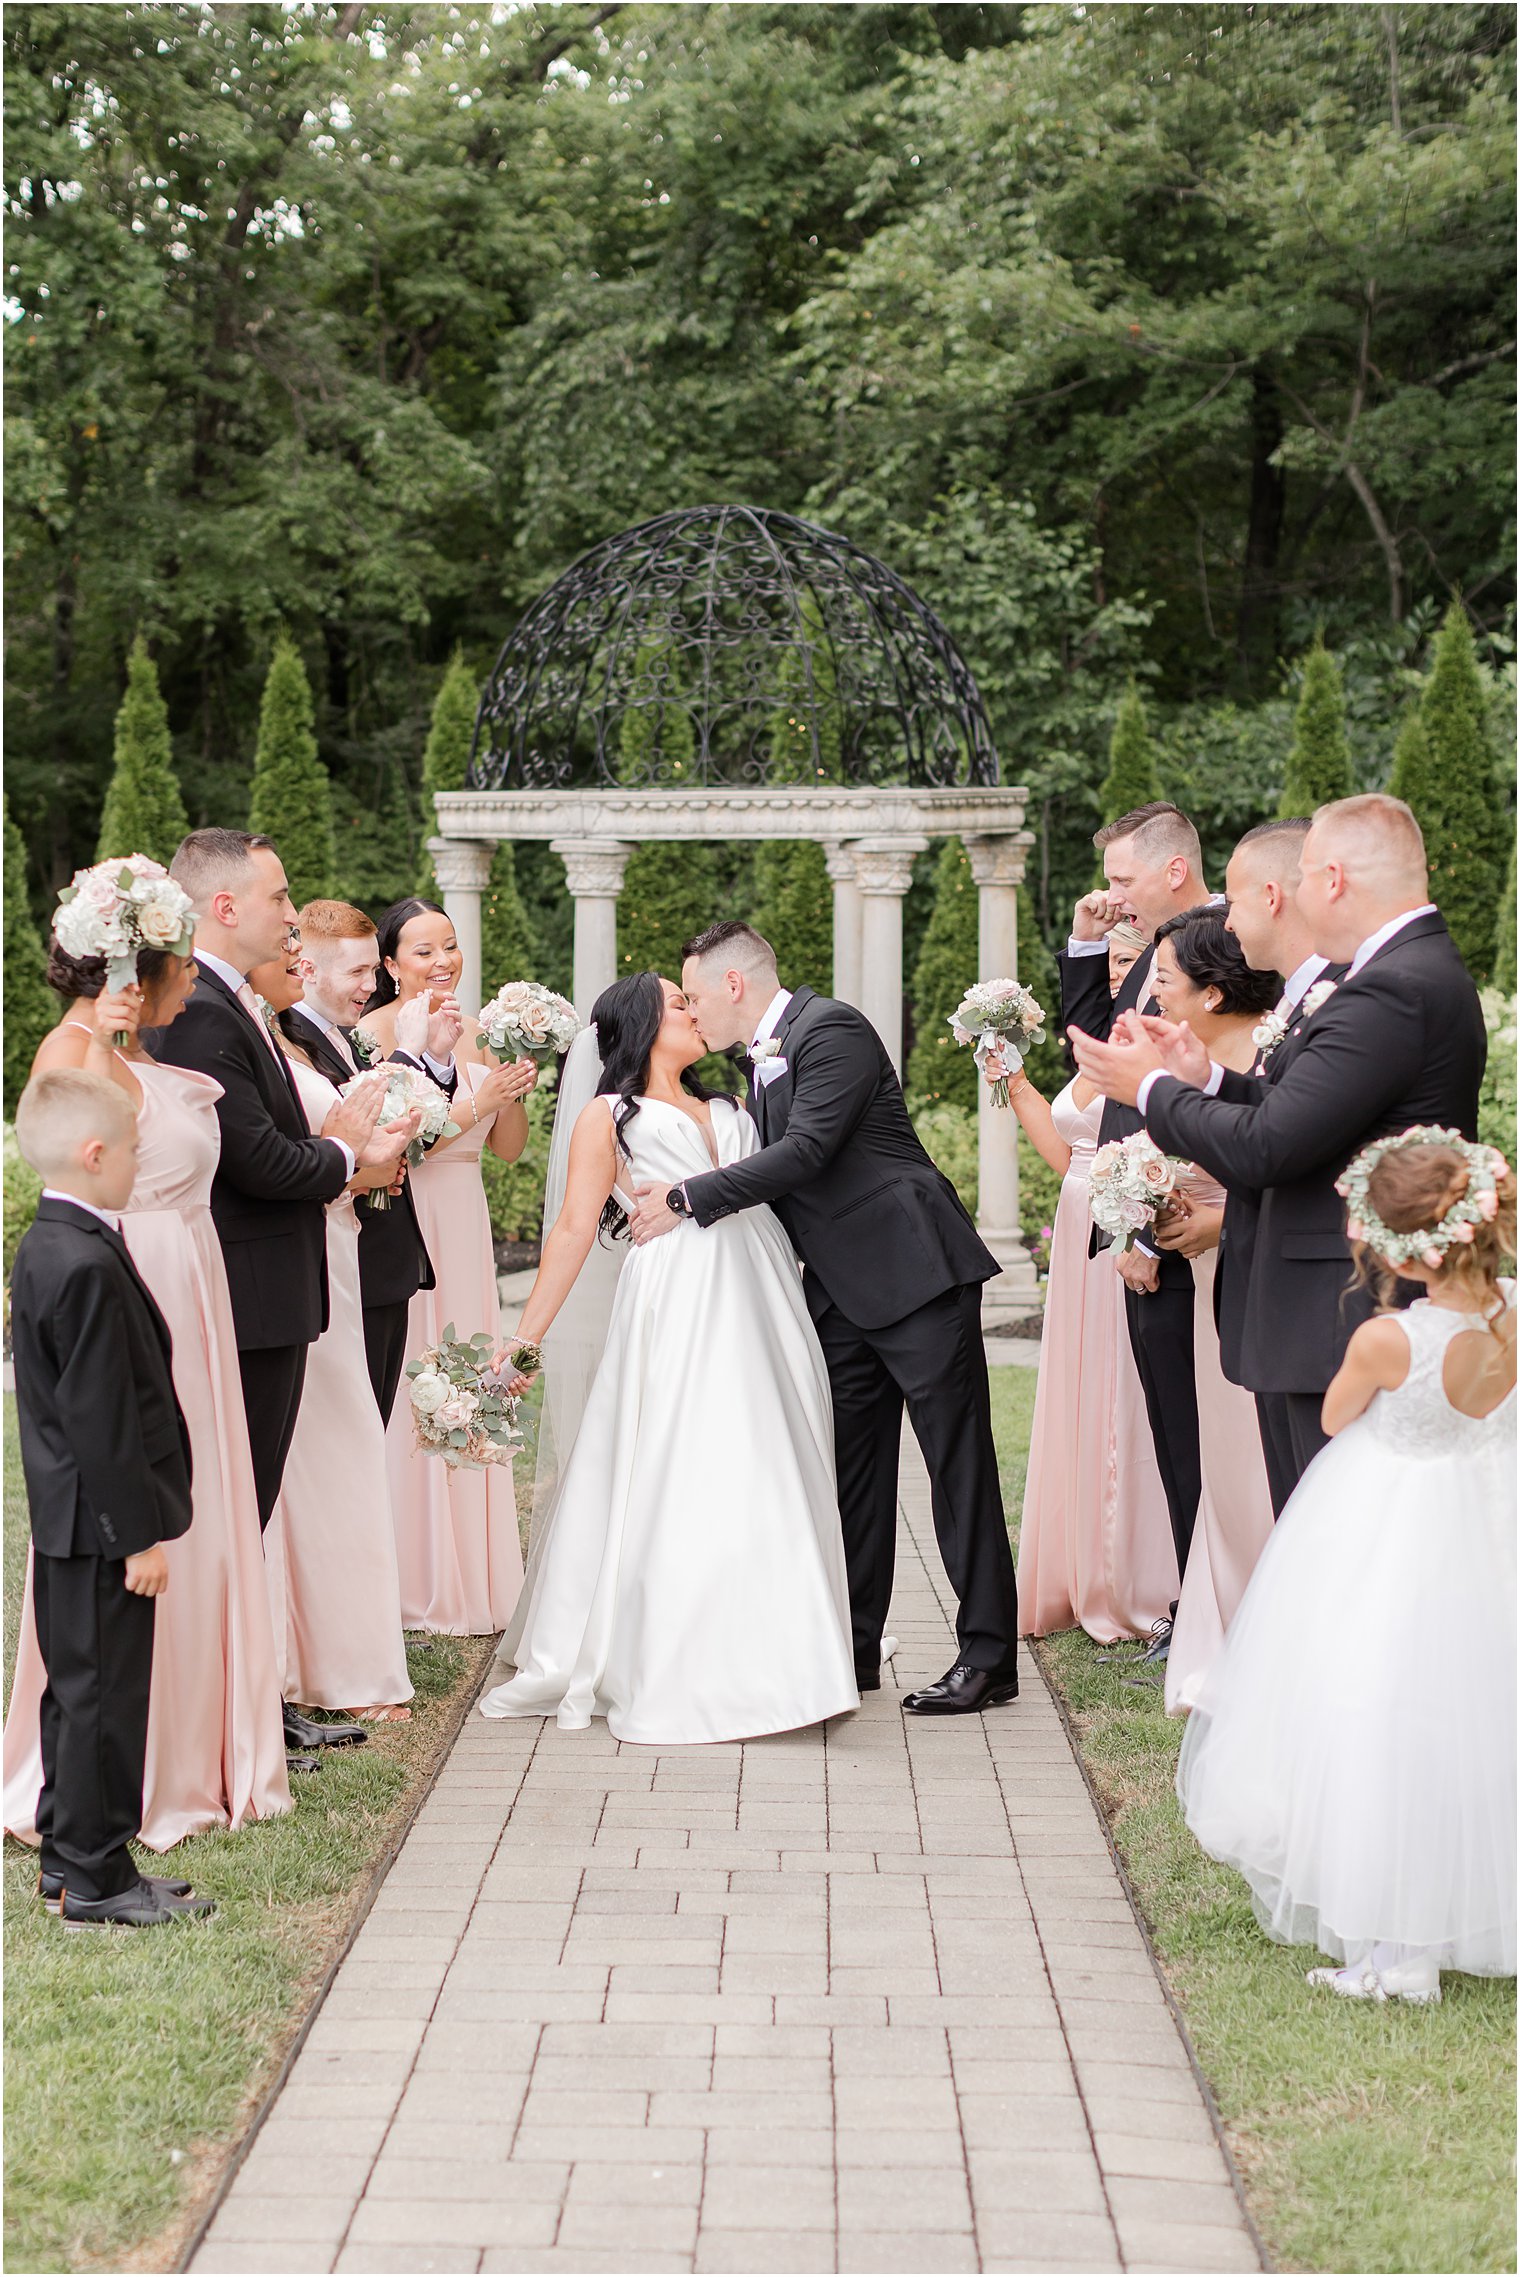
{"x":456,"y":1531}
{"x":1234,"y":1523}
{"x":216,"y":1741}
{"x":1095,"y":1543}
{"x":330,"y":1547}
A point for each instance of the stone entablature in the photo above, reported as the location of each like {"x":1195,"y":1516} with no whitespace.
{"x":824,"y":812}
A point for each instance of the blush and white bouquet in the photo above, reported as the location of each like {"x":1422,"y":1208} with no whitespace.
{"x":1130,"y":1181}
{"x":409,"y":1092}
{"x":115,"y":908}
{"x":998,"y":1015}
{"x":528,"y":1021}
{"x":461,"y":1409}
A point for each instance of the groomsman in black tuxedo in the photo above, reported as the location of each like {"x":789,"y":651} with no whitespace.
{"x":339,"y":959}
{"x":274,"y":1177}
{"x":107,"y":1461}
{"x":1399,"y":1042}
{"x":1152,"y":862}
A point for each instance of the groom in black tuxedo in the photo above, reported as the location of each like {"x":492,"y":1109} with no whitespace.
{"x":1400,"y":1042}
{"x":1151,"y":860}
{"x":894,"y":1268}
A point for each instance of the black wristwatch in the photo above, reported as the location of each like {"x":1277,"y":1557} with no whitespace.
{"x":676,"y":1201}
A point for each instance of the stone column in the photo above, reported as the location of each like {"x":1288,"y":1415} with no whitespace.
{"x":462,"y":867}
{"x":883,"y":873}
{"x":841,"y":862}
{"x":594,"y":873}
{"x":997,"y":865}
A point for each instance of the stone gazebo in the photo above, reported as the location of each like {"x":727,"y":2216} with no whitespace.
{"x":731,"y":673}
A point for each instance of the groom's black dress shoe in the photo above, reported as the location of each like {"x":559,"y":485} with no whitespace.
{"x":50,"y":1889}
{"x":141,"y":1907}
{"x":965,"y":1691}
{"x":301,"y":1731}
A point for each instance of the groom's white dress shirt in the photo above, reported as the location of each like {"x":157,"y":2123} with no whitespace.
{"x":237,"y":981}
{"x":766,"y":1070}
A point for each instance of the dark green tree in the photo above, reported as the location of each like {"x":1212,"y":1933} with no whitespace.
{"x":508,"y":948}
{"x":1131,"y":780}
{"x":291,"y":797}
{"x":794,"y":898}
{"x":1504,"y":945}
{"x":30,"y":1009}
{"x":1458,"y":812}
{"x":508,"y":942}
{"x":938,"y":1067}
{"x":1410,"y":780}
{"x":1319,"y":759}
{"x":669,"y":890}
{"x":144,"y":811}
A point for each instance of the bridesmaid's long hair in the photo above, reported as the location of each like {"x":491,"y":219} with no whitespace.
{"x":388,"y":928}
{"x":627,"y":1018}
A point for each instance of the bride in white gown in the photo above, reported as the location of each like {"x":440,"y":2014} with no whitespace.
{"x":687,"y":1581}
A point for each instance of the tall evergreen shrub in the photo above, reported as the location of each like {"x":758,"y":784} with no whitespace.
{"x":29,"y":1004}
{"x":794,"y":897}
{"x":1410,"y":780}
{"x":1132,"y":779}
{"x":508,"y":942}
{"x":144,"y":812}
{"x":291,"y":798}
{"x":1319,"y":757}
{"x":938,"y":1069}
{"x":1465,"y":831}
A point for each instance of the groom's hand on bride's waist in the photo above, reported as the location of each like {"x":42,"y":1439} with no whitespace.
{"x":653,"y":1216}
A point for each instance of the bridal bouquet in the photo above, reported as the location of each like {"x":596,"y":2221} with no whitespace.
{"x":116,"y":908}
{"x":408,"y":1092}
{"x":998,"y":1015}
{"x":527,"y":1021}
{"x":1129,"y":1182}
{"x":460,"y":1407}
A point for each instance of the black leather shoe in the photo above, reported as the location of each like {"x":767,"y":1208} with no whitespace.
{"x":138,"y":1908}
{"x":50,"y":1888}
{"x":301,"y":1766}
{"x":1157,"y":1651}
{"x":303,"y":1731}
{"x":965,"y":1691}
{"x":868,"y":1678}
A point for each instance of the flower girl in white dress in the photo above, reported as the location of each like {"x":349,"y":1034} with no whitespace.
{"x":1353,"y":1753}
{"x":688,"y":1582}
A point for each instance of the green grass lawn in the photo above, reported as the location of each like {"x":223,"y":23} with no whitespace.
{"x":133,"y":2063}
{"x":1369,"y":2138}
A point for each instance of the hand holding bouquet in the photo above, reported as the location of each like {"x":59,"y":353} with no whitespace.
{"x":408,"y":1092}
{"x":461,"y":1409}
{"x":118,"y":907}
{"x":1130,"y":1182}
{"x":998,"y":1016}
{"x":527,"y":1021}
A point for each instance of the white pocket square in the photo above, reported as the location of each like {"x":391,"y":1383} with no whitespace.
{"x":766,"y":1070}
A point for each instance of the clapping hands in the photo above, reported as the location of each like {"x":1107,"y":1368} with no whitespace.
{"x":430,"y":1025}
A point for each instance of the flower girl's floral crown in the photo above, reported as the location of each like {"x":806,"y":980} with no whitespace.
{"x":1477,"y":1204}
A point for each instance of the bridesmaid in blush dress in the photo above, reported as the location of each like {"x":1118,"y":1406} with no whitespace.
{"x":456,"y":1531}
{"x":1202,"y":977}
{"x":216,"y":1743}
{"x":330,"y":1547}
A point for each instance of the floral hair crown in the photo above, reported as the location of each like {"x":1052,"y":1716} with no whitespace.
{"x":1477,"y":1205}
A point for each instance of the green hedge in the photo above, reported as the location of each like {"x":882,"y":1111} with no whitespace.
{"x":23,"y":1190}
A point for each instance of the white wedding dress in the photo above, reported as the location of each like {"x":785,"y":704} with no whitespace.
{"x":1353,"y":1748}
{"x":691,"y":1583}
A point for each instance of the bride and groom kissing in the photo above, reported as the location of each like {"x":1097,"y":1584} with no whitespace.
{"x":715,"y":1559}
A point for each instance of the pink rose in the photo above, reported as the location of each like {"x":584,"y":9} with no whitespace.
{"x":1355,"y":1229}
{"x":1488,"y":1207}
{"x":1432,"y":1258}
{"x":1464,"y":1232}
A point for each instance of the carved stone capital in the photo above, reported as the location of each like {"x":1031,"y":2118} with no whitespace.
{"x":461,"y":865}
{"x":840,"y":863}
{"x":998,"y":861}
{"x":885,"y":865}
{"x":594,"y":867}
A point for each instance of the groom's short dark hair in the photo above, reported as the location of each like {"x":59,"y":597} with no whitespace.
{"x":741,"y":943}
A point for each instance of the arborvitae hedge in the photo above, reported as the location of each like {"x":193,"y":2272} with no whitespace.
{"x":1319,"y":758}
{"x":291,"y":797}
{"x":1465,"y":833}
{"x":1410,"y":780}
{"x":1131,"y":780}
{"x":938,"y":1067}
{"x":1504,"y":944}
{"x":30,"y":1006}
{"x":144,"y":812}
{"x":794,"y":909}
{"x":446,"y":757}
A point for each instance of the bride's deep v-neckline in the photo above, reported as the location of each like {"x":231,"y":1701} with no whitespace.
{"x":705,"y":1131}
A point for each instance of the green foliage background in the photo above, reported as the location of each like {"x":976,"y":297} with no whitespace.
{"x":143,"y":812}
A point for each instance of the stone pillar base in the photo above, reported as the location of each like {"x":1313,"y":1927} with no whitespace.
{"x":1015,"y":1294}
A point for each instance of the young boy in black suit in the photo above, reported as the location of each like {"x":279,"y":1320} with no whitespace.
{"x":107,"y":1462}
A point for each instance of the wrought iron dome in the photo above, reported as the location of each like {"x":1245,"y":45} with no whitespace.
{"x":730,"y":645}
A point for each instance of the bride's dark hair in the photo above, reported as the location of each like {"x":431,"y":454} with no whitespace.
{"x":627,"y":1018}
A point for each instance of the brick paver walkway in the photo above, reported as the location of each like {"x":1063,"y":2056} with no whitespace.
{"x":866,"y":1999}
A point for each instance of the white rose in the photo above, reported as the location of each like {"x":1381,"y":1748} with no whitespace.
{"x":457,"y":1411}
{"x":429,"y":1391}
{"x":534,"y":1022}
{"x":159,"y":927}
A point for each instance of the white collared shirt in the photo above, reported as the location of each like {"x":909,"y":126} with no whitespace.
{"x":1300,"y":982}
{"x":1385,"y":933}
{"x":771,"y":1018}
{"x":106,"y":1217}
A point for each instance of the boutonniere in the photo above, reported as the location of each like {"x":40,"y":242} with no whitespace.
{"x":364,"y":1048}
{"x":770,"y":1049}
{"x":1269,"y":1033}
{"x":266,"y":1014}
{"x":1319,"y":994}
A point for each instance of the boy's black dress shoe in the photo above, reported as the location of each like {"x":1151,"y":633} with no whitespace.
{"x":140,"y":1907}
{"x":302,"y":1732}
{"x":868,"y":1677}
{"x":965,"y":1691}
{"x":50,"y":1888}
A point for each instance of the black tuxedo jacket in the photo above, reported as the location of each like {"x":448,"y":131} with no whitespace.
{"x":103,"y":1443}
{"x":393,"y":1259}
{"x":1087,"y":1004}
{"x":273,"y":1178}
{"x":879,"y":1228}
{"x":1402,"y":1043}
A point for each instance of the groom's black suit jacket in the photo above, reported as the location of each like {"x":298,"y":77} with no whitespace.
{"x":1401,"y":1044}
{"x":879,"y":1228}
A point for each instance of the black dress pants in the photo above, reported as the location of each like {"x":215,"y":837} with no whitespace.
{"x":96,"y":1641}
{"x":1291,"y":1437}
{"x":932,"y":1362}
{"x":1161,"y":1337}
{"x":385,"y":1351}
{"x":272,"y":1381}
